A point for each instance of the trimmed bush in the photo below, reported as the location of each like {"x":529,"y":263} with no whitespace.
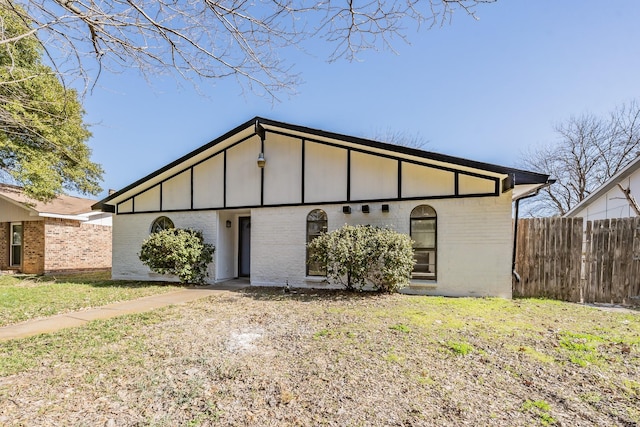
{"x":359,"y":255}
{"x":180,"y":252}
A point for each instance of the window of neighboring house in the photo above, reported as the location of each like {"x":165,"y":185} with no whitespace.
{"x":16,"y":245}
{"x":161,"y":223}
{"x":316,"y":225}
{"x":424,"y":234}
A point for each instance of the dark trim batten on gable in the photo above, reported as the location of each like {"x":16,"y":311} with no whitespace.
{"x":192,"y":166}
{"x":456,"y":184}
{"x":161,"y":195}
{"x":348,"y":175}
{"x":184,"y":158}
{"x":520,"y":176}
{"x":334,"y":202}
{"x":263,"y":136}
{"x":526,"y":177}
{"x":304,"y":170}
{"x":191,"y":183}
{"x":399,"y":179}
{"x":387,"y":156}
{"x":224,"y":178}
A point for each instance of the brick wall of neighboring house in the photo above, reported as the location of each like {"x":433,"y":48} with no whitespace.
{"x":72,"y":245}
{"x":32,"y":247}
{"x":4,"y":245}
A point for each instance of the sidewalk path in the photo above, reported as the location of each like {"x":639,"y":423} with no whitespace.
{"x":79,"y":318}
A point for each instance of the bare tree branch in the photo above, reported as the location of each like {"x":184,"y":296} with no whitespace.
{"x":215,"y":39}
{"x":590,"y":150}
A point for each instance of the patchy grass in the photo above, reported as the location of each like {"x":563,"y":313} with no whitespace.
{"x":459,"y":348}
{"x":24,"y":298}
{"x":541,"y":410}
{"x":261,"y":357}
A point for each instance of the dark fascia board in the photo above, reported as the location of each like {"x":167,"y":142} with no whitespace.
{"x":519,"y":176}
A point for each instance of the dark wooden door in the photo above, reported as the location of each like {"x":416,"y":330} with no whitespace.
{"x":244,"y":247}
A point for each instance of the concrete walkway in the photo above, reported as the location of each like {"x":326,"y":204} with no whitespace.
{"x":79,"y":318}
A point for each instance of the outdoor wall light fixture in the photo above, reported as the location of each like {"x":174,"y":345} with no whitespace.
{"x":346,"y":209}
{"x":365,"y":208}
{"x":228,"y":224}
{"x":261,"y":160}
{"x":385,"y":208}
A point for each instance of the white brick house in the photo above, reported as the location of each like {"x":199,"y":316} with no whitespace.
{"x":262,"y":190}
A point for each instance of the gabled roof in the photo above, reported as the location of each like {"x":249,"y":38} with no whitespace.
{"x":632,"y":167}
{"x":62,"y":205}
{"x":259,"y":124}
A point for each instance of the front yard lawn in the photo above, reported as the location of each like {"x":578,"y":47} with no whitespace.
{"x":260,"y":357}
{"x":24,"y":298}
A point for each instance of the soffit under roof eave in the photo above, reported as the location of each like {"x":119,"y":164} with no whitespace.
{"x":525,"y":190}
{"x":62,"y":216}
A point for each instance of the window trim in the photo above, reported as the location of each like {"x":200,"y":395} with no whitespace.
{"x":12,"y":263}
{"x":308,"y":239}
{"x":157,"y":224}
{"x":434,"y":217}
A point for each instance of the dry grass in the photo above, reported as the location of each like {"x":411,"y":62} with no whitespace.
{"x":260,"y":358}
{"x":32,"y":297}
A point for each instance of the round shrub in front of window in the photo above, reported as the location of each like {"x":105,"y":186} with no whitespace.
{"x":177,"y":251}
{"x":359,"y":255}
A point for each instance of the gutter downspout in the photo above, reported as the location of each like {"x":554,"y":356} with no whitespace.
{"x":515,"y":227}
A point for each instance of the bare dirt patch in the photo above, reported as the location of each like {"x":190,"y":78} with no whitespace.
{"x":261,"y":358}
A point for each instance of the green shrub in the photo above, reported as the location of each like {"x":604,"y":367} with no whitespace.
{"x":359,"y":255}
{"x":180,"y":252}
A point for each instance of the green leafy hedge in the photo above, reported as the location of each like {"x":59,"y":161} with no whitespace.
{"x":180,"y":252}
{"x":359,"y":255}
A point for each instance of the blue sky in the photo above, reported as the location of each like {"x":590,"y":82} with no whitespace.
{"x":484,"y":90}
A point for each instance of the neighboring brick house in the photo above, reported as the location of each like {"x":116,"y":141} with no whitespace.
{"x":61,"y":235}
{"x":263,"y":190}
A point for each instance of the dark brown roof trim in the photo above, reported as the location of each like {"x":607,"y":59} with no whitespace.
{"x":518,"y":176}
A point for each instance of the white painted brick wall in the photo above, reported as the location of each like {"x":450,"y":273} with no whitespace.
{"x":474,"y":242}
{"x":129,"y":231}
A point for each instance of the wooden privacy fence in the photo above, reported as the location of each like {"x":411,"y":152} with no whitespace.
{"x":562,"y":258}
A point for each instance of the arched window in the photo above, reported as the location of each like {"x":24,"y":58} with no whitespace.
{"x":161,"y":223}
{"x":316,"y":225}
{"x":424,"y":235}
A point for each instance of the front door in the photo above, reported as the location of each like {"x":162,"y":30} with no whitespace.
{"x":244,"y":247}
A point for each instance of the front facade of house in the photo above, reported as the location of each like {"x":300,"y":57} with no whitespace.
{"x":260,"y":192}
{"x":619,"y":197}
{"x":63,"y":235}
